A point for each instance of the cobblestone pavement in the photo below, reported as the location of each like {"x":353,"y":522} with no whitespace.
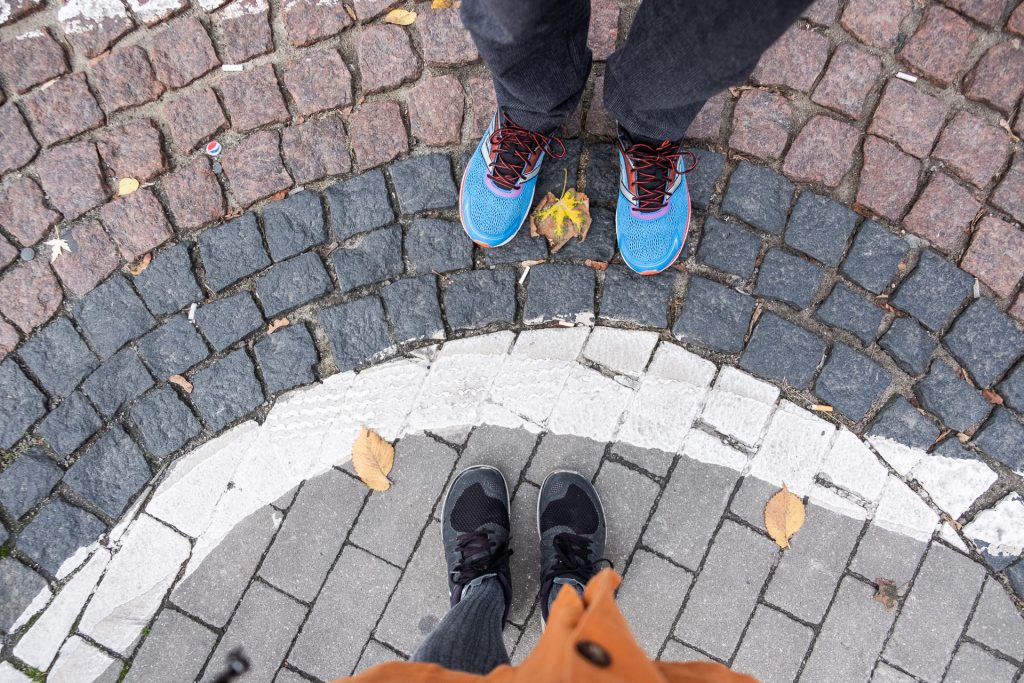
{"x":855,"y":243}
{"x":264,"y":537}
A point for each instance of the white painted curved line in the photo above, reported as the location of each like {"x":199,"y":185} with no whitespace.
{"x":604,"y":384}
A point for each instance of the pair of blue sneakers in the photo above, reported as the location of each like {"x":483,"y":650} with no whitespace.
{"x":653,"y":211}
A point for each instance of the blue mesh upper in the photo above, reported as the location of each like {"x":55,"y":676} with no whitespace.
{"x":486,"y":217}
{"x":648,"y":245}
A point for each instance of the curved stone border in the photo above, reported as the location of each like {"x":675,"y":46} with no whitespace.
{"x":609,"y":385}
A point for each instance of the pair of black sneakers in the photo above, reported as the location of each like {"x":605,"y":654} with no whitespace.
{"x":476,"y":533}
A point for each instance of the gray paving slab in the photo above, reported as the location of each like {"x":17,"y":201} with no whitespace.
{"x":750,"y":499}
{"x":391,"y":522}
{"x":726,"y":591}
{"x":628,"y":498}
{"x":678,"y":652}
{"x":289,"y":676}
{"x":651,"y":593}
{"x":972,"y":664}
{"x":332,"y":639}
{"x":526,"y":556}
{"x":773,"y":647}
{"x":173,"y":652}
{"x":851,"y":638}
{"x":565,"y":452}
{"x":265,"y":647}
{"x":997,"y":622}
{"x":421,"y":599}
{"x":689,"y":511}
{"x":655,"y":461}
{"x":507,"y":449}
{"x":887,"y":555}
{"x":808,"y":573}
{"x":376,"y":653}
{"x":886,"y":674}
{"x":934,"y":613}
{"x":529,"y":639}
{"x":312,"y":534}
{"x":212,"y":591}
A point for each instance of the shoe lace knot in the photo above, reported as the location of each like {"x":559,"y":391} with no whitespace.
{"x":515,"y":152}
{"x":478,"y":556}
{"x":655,"y":170}
{"x":572,"y":557}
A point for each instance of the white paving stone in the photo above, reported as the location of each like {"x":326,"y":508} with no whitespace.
{"x":674,"y":362}
{"x":39,"y":645}
{"x":494,"y":344}
{"x":134,"y":586}
{"x":661,"y":414}
{"x":530,"y":386}
{"x":851,"y":465}
{"x":703,"y":447}
{"x":621,"y":351}
{"x":740,"y":406}
{"x":902,"y":511}
{"x":187,"y":498}
{"x":831,"y":500}
{"x":555,"y":343}
{"x":8,"y":674}
{"x":383,"y":396}
{"x":793,"y":448}
{"x":81,"y":662}
{"x":37,"y":604}
{"x":953,"y":483}
{"x":900,"y":457}
{"x":999,"y":531}
{"x":454,"y":389}
{"x":948,"y":534}
{"x":590,"y":405}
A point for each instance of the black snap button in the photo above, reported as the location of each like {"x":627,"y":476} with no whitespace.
{"x":593,"y":653}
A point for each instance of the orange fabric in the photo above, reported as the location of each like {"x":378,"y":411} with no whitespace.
{"x":555,"y":659}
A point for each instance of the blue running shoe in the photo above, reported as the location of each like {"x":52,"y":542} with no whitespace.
{"x":653,"y":212}
{"x":500,"y":179}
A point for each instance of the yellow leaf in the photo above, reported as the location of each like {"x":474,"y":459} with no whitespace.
{"x":440,"y":4}
{"x":783,"y":516}
{"x":373,"y":457}
{"x":561,"y":219}
{"x":402,"y":17}
{"x":127,"y":186}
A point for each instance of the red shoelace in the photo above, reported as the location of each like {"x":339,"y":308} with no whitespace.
{"x":654,"y":171}
{"x":516,"y":151}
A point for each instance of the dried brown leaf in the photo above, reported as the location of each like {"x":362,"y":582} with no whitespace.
{"x":559,"y":219}
{"x":596,"y":265}
{"x":279,"y":195}
{"x":992,"y":397}
{"x":783,"y":516}
{"x":275,"y":325}
{"x":351,"y":12}
{"x":181,"y":382}
{"x":140,"y":265}
{"x":887,"y":593}
{"x":373,"y":458}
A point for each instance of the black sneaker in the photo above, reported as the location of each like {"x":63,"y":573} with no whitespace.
{"x":475,"y":532}
{"x":572,"y":529}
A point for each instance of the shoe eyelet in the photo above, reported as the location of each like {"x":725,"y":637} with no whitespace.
{"x":594,"y":653}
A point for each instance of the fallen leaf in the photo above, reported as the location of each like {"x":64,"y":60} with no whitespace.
{"x":992,"y":397}
{"x":181,"y":382}
{"x":887,"y":593}
{"x":561,"y":219}
{"x":783,"y":516}
{"x":402,"y":17}
{"x":964,"y":438}
{"x":136,"y":268}
{"x":1005,"y":125}
{"x":233,"y":212}
{"x":57,"y":245}
{"x":596,"y":265}
{"x":440,"y":4}
{"x":351,"y":12}
{"x":373,"y":457}
{"x":279,"y":195}
{"x":278,"y":324}
{"x":821,"y":408}
{"x":126,"y":186}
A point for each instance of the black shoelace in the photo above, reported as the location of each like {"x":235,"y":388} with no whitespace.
{"x":478,"y":558}
{"x":517,"y":150}
{"x":572,"y":558}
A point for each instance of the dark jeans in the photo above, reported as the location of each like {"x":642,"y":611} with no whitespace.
{"x":677,"y":55}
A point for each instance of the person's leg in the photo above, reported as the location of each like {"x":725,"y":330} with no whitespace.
{"x":475,"y":532}
{"x":681,"y":52}
{"x":469,"y":637}
{"x":537,"y":53}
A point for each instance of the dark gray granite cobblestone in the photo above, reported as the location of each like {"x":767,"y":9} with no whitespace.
{"x":559,"y":292}
{"x":780,"y":350}
{"x":373,"y":257}
{"x":820,"y":227}
{"x":67,"y":426}
{"x":851,"y":382}
{"x":225,"y":321}
{"x":294,"y":225}
{"x":788,"y":278}
{"x":519,"y":249}
{"x":172,"y":348}
{"x":286,"y":358}
{"x":27,"y":481}
{"x":57,"y":531}
{"x":728,"y":247}
{"x":847,"y":310}
{"x":58,"y":357}
{"x":933,"y":291}
{"x":163,"y":421}
{"x":232,"y":251}
{"x":118,"y":381}
{"x":292,"y":283}
{"x":631,"y":298}
{"x":714,"y":316}
{"x":424,"y":182}
{"x":112,"y":315}
{"x":412,"y":307}
{"x":433,"y":245}
{"x":985,"y":341}
{"x":957,"y":403}
{"x":874,"y":258}
{"x":909,"y":345}
{"x":226,"y":390}
{"x":359,"y":204}
{"x":357,"y":331}
{"x":168,"y":284}
{"x":109,"y":473}
{"x":759,"y":197}
{"x":476,"y":299}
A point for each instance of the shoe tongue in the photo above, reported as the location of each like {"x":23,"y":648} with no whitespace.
{"x":511,"y":153}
